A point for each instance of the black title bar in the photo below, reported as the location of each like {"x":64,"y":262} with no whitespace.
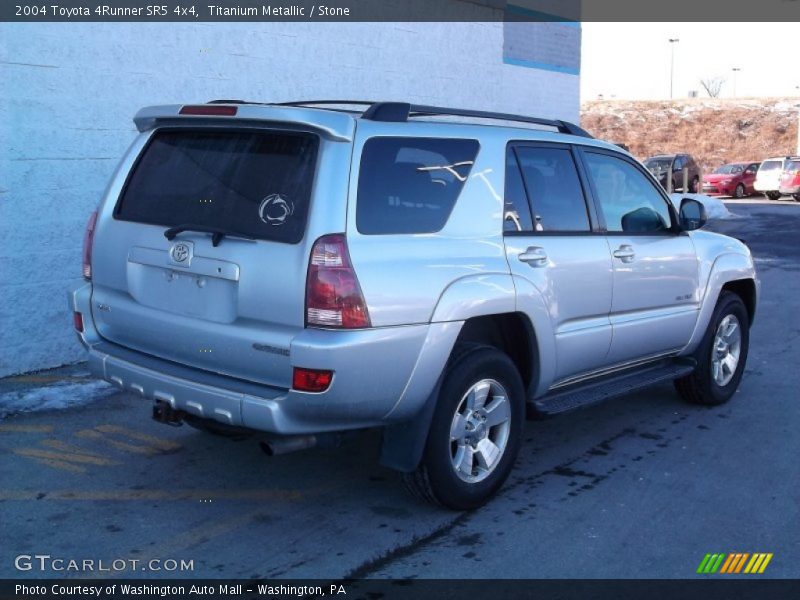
{"x":189,"y":11}
{"x":706,"y":588}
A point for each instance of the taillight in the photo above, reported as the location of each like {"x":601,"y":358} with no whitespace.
{"x":77,"y":319}
{"x":333,"y":295}
{"x":311,"y":380}
{"x":88,"y":238}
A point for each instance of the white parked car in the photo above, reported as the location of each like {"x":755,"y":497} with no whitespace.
{"x":768,"y":178}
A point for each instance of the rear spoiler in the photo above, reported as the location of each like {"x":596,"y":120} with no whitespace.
{"x":336,"y":126}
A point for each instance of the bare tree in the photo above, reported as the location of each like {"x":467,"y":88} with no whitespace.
{"x":712,"y":85}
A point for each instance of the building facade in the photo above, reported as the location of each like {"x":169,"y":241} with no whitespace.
{"x":70,"y":91}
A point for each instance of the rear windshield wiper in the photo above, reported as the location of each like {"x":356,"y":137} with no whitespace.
{"x":216,"y":233}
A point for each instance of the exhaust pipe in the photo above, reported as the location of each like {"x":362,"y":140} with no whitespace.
{"x":285,"y":445}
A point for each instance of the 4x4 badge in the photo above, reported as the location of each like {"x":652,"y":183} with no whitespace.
{"x":181,"y":253}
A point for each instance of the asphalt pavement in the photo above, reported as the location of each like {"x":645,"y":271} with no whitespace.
{"x":642,"y":486}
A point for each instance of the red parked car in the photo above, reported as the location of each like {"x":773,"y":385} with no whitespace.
{"x":734,"y":179}
{"x":790,"y":180}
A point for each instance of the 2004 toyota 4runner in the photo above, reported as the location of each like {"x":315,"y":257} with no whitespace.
{"x":306,"y":269}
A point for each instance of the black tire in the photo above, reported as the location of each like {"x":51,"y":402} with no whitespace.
{"x":773,"y":195}
{"x":796,"y":197}
{"x":436,"y":480}
{"x":700,"y":386}
{"x":739,"y":191}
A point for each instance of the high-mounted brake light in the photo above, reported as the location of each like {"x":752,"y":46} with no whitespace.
{"x":88,"y":239}
{"x":333,"y":295}
{"x":205,"y":110}
{"x":311,"y":380}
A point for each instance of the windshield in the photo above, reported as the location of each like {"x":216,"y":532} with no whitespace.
{"x":255,"y":183}
{"x":770,"y":165}
{"x":729,"y":169}
{"x":658,"y":163}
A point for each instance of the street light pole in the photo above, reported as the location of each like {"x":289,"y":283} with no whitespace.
{"x":735,"y":71}
{"x":672,"y":63}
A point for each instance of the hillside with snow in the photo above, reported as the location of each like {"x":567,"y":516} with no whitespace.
{"x":715,"y":131}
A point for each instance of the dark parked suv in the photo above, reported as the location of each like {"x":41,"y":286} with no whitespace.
{"x":664,"y":165}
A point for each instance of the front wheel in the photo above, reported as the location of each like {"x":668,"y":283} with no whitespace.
{"x":796,"y":197}
{"x":721,"y":356}
{"x":475,"y":433}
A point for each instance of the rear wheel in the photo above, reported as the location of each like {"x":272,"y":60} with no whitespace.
{"x":739,"y":191}
{"x":721,"y":356}
{"x":476,"y":431}
{"x":773,"y":195}
{"x":796,"y":197}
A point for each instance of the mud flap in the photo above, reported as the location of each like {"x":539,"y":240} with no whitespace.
{"x":404,"y":442}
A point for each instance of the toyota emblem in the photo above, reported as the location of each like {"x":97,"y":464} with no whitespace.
{"x":181,"y":252}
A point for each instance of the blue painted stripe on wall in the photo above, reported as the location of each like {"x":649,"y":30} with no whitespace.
{"x":531,"y":64}
{"x":541,"y":16}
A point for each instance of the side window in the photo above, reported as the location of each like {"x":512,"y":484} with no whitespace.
{"x":410,"y":185}
{"x":516,"y":213}
{"x":679,"y":163}
{"x":752,"y":169}
{"x":629,"y":202}
{"x":554,"y":189}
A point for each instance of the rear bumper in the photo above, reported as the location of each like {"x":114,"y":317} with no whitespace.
{"x":381,"y":376}
{"x":766,"y":187}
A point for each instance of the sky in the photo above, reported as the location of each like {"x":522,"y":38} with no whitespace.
{"x":631,"y":61}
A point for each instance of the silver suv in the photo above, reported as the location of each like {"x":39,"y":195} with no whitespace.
{"x":306,"y":269}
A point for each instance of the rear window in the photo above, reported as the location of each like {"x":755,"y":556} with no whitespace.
{"x":771,"y":165}
{"x":410,"y":185}
{"x":554,"y":189}
{"x":252,"y":183}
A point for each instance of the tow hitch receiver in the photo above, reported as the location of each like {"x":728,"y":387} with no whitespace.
{"x":164,"y":413}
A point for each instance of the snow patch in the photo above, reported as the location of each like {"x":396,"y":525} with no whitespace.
{"x":715,"y":208}
{"x":53,"y":397}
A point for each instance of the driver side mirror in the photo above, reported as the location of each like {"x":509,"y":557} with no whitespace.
{"x":693,"y":214}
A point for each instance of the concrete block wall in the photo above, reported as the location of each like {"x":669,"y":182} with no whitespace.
{"x":69,"y":92}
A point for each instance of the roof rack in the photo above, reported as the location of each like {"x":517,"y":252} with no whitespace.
{"x":324,"y":102}
{"x":402,"y":111}
{"x":399,"y":112}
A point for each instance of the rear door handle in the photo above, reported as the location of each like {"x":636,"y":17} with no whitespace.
{"x":625,"y":253}
{"x":535,"y":256}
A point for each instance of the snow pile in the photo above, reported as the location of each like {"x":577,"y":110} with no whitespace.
{"x":53,"y":397}
{"x":715,"y":208}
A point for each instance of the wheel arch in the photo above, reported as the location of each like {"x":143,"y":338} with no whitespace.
{"x":512,"y":332}
{"x":730,"y":272}
{"x":746,"y":290}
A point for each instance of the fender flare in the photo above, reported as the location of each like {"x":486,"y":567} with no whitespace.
{"x":404,"y":442}
{"x":727,"y":267}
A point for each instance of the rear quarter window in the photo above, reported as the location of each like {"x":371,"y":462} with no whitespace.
{"x":255,"y":183}
{"x":410,"y":185}
{"x":770,"y":165}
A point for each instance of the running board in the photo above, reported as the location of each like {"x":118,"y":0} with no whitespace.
{"x":609,"y":386}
